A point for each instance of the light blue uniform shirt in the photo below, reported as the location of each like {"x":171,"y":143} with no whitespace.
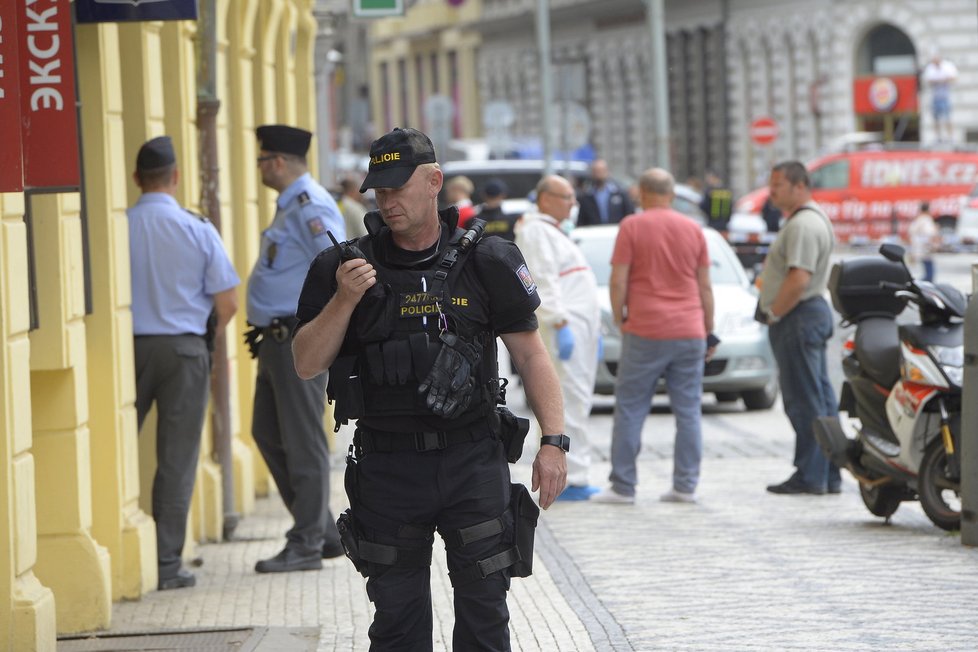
{"x":178,"y":263}
{"x":297,"y":234}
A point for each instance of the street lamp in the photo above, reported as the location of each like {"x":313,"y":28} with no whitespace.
{"x":660,"y":85}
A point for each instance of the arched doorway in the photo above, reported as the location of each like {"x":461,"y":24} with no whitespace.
{"x":885,"y":84}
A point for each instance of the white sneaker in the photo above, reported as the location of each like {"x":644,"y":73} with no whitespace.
{"x":610,"y":496}
{"x":673,"y":496}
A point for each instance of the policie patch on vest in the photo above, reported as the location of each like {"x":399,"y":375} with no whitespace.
{"x":526,"y":279}
{"x":416,"y":304}
{"x":316,"y":226}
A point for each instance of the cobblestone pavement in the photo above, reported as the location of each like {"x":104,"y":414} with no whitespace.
{"x":741,"y":570}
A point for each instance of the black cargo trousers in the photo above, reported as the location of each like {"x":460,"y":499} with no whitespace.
{"x":400,"y":498}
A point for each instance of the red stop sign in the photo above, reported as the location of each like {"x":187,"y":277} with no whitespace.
{"x":763,"y":131}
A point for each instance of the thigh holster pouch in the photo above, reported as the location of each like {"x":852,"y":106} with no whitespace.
{"x":350,"y":538}
{"x":525,"y":515}
{"x":343,"y":388}
{"x":512,"y":431}
{"x":518,"y":558}
{"x":361,"y":551}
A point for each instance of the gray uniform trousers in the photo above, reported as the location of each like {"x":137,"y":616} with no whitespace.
{"x":288,"y":428}
{"x":174,"y":371}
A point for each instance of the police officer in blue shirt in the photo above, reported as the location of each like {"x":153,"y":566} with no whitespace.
{"x":288,"y":414}
{"x":180,"y":276}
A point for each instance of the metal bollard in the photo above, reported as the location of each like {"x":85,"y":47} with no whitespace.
{"x":969,"y":421}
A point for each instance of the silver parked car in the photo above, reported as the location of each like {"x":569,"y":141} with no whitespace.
{"x":743,"y":366}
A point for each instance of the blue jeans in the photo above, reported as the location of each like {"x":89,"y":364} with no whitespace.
{"x":928,"y":269}
{"x":641,"y":364}
{"x":798,"y":341}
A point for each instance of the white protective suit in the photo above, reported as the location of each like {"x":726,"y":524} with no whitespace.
{"x":568,"y":291}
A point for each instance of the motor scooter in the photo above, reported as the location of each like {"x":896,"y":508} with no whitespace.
{"x":902,"y":387}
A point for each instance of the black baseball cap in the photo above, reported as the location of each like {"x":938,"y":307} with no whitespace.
{"x":394,"y":156}
{"x":283,"y":139}
{"x":156,"y":153}
{"x":495,"y":187}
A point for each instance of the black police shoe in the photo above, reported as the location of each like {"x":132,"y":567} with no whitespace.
{"x":289,"y":560}
{"x":331,"y":550}
{"x":794,"y":486}
{"x":183,"y":579}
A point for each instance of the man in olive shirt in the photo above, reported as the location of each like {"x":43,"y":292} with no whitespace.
{"x":799,"y":322}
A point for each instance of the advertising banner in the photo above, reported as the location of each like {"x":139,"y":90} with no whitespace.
{"x":49,"y":118}
{"x":11,"y":153}
{"x":873,"y":95}
{"x":119,"y":11}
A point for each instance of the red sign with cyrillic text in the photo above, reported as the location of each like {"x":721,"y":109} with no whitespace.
{"x":49,"y":119}
{"x":11,"y":153}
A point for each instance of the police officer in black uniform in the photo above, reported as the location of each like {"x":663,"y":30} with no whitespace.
{"x":406,"y":321}
{"x":498,"y":222}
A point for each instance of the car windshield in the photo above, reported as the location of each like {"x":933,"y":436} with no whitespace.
{"x":520,"y":182}
{"x":724,"y":267}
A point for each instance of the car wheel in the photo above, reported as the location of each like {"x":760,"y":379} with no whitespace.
{"x":726,"y":397}
{"x":763,"y":398}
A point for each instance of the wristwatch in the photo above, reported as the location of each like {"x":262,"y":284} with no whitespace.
{"x":560,"y":441}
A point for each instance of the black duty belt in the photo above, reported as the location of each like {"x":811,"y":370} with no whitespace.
{"x":375,"y":441}
{"x":281,"y":328}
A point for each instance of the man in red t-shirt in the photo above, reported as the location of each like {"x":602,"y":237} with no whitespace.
{"x":662,"y":300}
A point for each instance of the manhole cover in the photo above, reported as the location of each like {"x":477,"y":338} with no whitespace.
{"x":241,"y":639}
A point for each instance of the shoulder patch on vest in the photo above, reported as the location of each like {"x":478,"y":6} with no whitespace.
{"x":316,"y":226}
{"x":526,"y":279}
{"x":304,"y":198}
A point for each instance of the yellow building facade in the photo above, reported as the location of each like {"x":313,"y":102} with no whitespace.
{"x":429,"y":51}
{"x":75,"y":534}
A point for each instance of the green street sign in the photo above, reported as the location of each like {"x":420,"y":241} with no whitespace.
{"x":377,"y":8}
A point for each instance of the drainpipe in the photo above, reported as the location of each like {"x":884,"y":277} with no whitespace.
{"x":210,"y":202}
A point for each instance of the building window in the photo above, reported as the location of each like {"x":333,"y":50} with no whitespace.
{"x":419,"y":89}
{"x":385,"y":96}
{"x":456,"y":93}
{"x":402,"y":87}
{"x":434,"y":73}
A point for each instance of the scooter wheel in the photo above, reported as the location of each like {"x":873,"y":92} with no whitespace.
{"x":939,"y":491}
{"x":881,"y":500}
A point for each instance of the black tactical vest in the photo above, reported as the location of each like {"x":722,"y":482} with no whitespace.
{"x":392,"y":340}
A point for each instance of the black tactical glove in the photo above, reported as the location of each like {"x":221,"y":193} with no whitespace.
{"x":253,"y":337}
{"x":450,"y":385}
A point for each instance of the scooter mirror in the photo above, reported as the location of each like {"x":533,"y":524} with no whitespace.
{"x":893,"y":252}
